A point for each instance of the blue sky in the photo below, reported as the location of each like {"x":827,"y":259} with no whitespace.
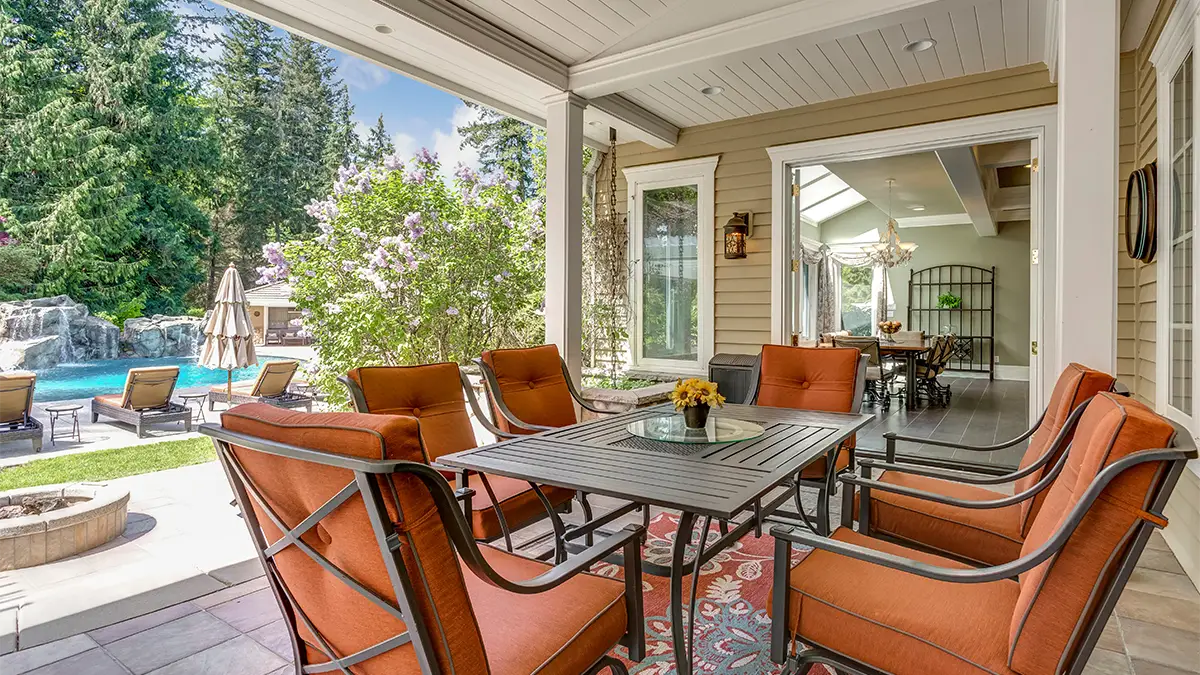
{"x":415,"y":114}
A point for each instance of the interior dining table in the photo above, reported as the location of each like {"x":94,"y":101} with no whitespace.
{"x":907,"y":351}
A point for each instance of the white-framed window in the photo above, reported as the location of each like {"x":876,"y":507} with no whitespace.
{"x":1178,"y":382}
{"x":672,"y":237}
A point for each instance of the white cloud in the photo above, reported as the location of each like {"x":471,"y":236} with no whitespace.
{"x":362,"y":75}
{"x":406,"y":145}
{"x":448,"y":144}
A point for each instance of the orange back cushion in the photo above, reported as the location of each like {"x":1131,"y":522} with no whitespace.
{"x":294,"y":489}
{"x":532,"y":386}
{"x":1075,"y":385}
{"x":808,"y":378}
{"x":1059,"y":595}
{"x":431,"y":393}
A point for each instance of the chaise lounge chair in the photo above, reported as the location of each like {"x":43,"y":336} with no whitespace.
{"x":271,"y":386}
{"x":146,"y":400}
{"x":16,"y":407}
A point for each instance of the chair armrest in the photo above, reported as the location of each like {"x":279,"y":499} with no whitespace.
{"x":892,"y":436}
{"x":1053,"y":544}
{"x":869,"y":484}
{"x":575,"y":392}
{"x":958,"y":476}
{"x":484,"y":419}
{"x":628,"y":539}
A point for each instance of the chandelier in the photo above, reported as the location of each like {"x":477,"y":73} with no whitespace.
{"x":889,"y":251}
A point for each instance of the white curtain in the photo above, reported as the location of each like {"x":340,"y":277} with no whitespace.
{"x":829,"y":295}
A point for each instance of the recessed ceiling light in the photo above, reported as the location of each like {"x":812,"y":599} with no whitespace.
{"x":917,"y":207}
{"x":920,"y":45}
{"x":596,"y":123}
{"x":712,"y":91}
{"x":383,"y":28}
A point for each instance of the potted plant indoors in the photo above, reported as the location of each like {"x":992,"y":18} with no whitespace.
{"x":949,"y":301}
{"x":695,"y":397}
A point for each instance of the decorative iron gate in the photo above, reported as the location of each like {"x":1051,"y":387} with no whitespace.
{"x":957,"y":299}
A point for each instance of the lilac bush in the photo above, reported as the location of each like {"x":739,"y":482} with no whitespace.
{"x":409,"y":269}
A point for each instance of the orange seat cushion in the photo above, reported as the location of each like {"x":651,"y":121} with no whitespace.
{"x":816,"y":470}
{"x":564,"y":630}
{"x":532,"y":386}
{"x":895,"y":621}
{"x":988,"y":536}
{"x":518,"y":501}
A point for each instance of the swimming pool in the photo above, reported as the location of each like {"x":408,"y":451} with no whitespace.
{"x":91,"y":378}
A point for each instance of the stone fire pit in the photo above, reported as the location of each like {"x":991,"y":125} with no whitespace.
{"x":95,"y":514}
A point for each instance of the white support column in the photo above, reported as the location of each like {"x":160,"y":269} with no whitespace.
{"x":1088,"y":38}
{"x":564,"y":227}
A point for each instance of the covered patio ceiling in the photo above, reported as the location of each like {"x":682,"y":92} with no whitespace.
{"x":651,"y":67}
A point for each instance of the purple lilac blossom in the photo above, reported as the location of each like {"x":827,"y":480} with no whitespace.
{"x":451,"y":312}
{"x":413,"y":219}
{"x":393,"y":163}
{"x":426,"y":157}
{"x":417,"y":176}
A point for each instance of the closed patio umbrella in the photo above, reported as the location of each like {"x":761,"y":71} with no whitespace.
{"x":229,"y":337}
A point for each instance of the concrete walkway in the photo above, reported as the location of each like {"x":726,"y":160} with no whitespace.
{"x":183,"y":540}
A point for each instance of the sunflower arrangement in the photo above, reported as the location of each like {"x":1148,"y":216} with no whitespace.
{"x":694,"y":392}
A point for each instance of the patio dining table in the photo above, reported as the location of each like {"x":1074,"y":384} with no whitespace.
{"x":712,"y":481}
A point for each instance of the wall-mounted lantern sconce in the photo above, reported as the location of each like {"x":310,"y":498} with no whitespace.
{"x":737,"y":231}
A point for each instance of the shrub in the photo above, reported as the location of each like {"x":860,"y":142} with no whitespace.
{"x":408,"y":269}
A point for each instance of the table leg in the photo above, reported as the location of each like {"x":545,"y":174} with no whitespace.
{"x":910,"y":381}
{"x":680,"y":635}
{"x":53,"y":419}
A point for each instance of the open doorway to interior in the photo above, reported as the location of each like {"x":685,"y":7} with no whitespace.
{"x":933,"y":254}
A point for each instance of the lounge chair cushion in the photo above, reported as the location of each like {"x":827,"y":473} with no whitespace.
{"x":1057,"y":595}
{"x":240,"y":388}
{"x":274,"y":377}
{"x":475,"y":627}
{"x":518,"y":501}
{"x":561,"y":632}
{"x":16,"y":395}
{"x":898,"y":622}
{"x":147,"y":388}
{"x":1075,"y":385}
{"x":988,"y":536}
{"x":532,"y":386}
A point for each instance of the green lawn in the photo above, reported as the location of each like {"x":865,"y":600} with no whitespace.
{"x":108,"y":464}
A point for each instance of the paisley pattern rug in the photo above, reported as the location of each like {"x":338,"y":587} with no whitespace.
{"x":733,"y":629}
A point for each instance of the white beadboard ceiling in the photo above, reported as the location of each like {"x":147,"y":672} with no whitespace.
{"x":971,"y":38}
{"x":643,"y":63}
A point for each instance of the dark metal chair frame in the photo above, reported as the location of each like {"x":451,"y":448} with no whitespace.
{"x":463,"y":476}
{"x":928,"y":387}
{"x":878,"y":391}
{"x":366,"y":482}
{"x":492,"y":391}
{"x":828,"y":485}
{"x":1182,"y":449}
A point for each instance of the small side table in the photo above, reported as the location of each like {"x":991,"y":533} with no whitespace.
{"x":57,"y":412}
{"x":199,"y":400}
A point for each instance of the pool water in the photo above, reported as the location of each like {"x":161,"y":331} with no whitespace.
{"x":91,"y":378}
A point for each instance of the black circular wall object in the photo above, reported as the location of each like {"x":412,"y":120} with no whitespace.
{"x":1141,"y":213}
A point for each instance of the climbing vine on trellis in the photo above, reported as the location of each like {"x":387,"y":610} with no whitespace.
{"x":606,"y":298}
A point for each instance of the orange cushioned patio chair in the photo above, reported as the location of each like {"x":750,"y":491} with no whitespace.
{"x":530,"y":390}
{"x":866,"y":606}
{"x":271,"y":386}
{"x":145,"y":400}
{"x":373,"y":563}
{"x":811,"y":378}
{"x":16,"y":408}
{"x":922,"y":505}
{"x":433,"y":393}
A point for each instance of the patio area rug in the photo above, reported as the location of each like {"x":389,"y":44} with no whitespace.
{"x":733,"y":630}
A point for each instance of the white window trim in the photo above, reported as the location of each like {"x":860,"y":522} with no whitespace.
{"x":1177,"y":40}
{"x":702,"y":173}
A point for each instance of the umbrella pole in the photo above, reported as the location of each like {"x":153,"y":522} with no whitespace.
{"x":229,"y":388}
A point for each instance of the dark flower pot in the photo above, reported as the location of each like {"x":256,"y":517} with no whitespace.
{"x":696,"y":416}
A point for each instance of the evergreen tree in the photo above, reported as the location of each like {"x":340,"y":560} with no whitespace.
{"x":344,"y":145}
{"x":379,"y":144}
{"x":505,"y":144}
{"x":246,"y":115}
{"x":308,"y":96}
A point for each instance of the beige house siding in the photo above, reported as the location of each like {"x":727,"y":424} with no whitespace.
{"x":1137,"y":285}
{"x":743,"y":179}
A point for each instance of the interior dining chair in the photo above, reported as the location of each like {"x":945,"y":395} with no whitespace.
{"x":434,"y":393}
{"x":804,"y":378}
{"x":942,"y":509}
{"x":374,"y":565}
{"x":866,"y":606}
{"x":880,"y":373}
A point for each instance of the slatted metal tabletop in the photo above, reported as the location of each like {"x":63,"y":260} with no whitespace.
{"x":709,"y":479}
